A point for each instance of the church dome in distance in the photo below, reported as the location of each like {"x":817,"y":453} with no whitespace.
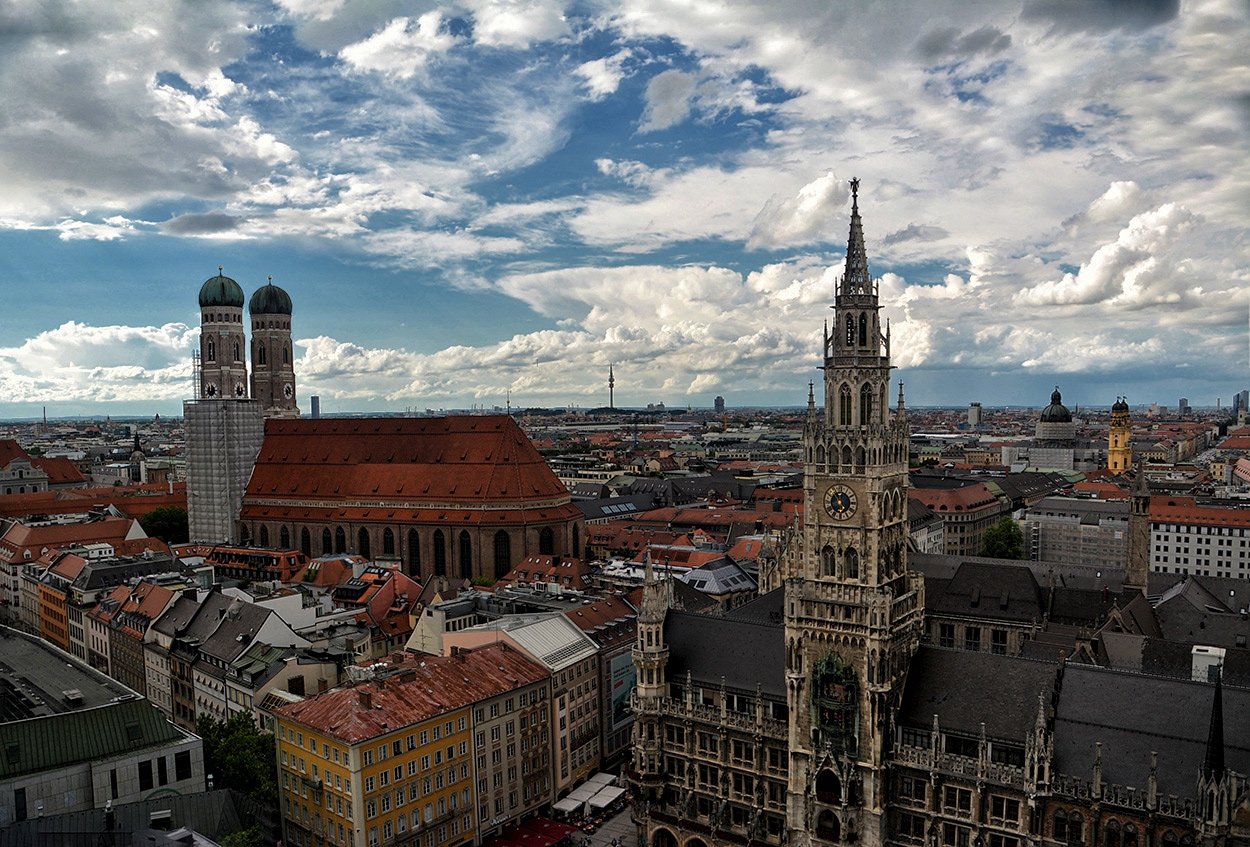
{"x":1120,"y":405}
{"x":270,"y":300}
{"x":221,"y":291}
{"x":1056,"y":412}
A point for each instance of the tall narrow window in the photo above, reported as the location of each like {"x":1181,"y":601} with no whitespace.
{"x":284,"y":538}
{"x":340,"y":540}
{"x":260,"y":354}
{"x":865,"y":405}
{"x":362,"y":543}
{"x":850,"y":330}
{"x":466,"y":555}
{"x":829,"y":562}
{"x":546,"y":541}
{"x":212,"y":351}
{"x":236,"y":352}
{"x":414,"y":552}
{"x":863,"y":330}
{"x":326,"y":546}
{"x":503,"y":553}
{"x":440,"y":553}
{"x":388,"y":542}
{"x":844,"y":405}
{"x":305,"y":542}
{"x":286,"y":355}
{"x":264,"y":536}
{"x":852,"y":563}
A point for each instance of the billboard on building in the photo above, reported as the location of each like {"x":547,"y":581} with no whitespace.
{"x":624,"y":675}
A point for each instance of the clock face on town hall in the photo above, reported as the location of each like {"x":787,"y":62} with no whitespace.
{"x":840,"y":502}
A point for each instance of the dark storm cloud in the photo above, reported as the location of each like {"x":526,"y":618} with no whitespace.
{"x":208,"y":224}
{"x":946,"y":42}
{"x":915,"y":232}
{"x":1098,"y":15}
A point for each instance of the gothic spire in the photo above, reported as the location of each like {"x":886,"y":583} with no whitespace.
{"x":856,"y":279}
{"x":1213,"y":762}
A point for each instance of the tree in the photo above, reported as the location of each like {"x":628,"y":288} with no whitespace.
{"x":1003,"y":540}
{"x":168,"y":523}
{"x":240,"y":756}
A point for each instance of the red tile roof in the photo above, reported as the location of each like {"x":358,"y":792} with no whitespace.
{"x":428,"y":686}
{"x":418,"y":470}
{"x":1183,"y":510}
{"x":966,"y":499}
{"x":60,"y":470}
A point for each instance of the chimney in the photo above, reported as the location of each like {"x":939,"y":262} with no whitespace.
{"x":365,"y":697}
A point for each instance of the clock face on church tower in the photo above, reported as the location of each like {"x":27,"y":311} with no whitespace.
{"x":840,"y":502}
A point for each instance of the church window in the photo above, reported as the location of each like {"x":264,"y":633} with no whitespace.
{"x":546,"y":541}
{"x":414,"y":552}
{"x":844,"y":405}
{"x":577,"y":543}
{"x":260,"y":354}
{"x":284,"y":538}
{"x":865,"y":405}
{"x":863,"y":330}
{"x":828,"y":788}
{"x":264,"y":536}
{"x":1130,"y":835}
{"x":466,"y":555}
{"x":340,"y":540}
{"x":828,"y":827}
{"x":326,"y":548}
{"x":388,"y":542}
{"x":244,"y":534}
{"x":850,"y":330}
{"x":503,"y":553}
{"x":1111,"y":837}
{"x":852,"y":563}
{"x":286,"y":354}
{"x":362,"y":543}
{"x":305,"y":542}
{"x":236,"y":351}
{"x":828,"y":562}
{"x":440,"y":553}
{"x":211,"y":355}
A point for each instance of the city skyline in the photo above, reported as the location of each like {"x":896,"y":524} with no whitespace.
{"x":476,"y":200}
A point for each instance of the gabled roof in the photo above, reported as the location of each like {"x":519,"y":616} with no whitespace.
{"x":952,"y":685}
{"x":60,"y":471}
{"x":696,"y":645}
{"x":718,"y":577}
{"x":987,"y":589}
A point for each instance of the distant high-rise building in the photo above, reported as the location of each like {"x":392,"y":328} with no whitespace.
{"x":315,"y":400}
{"x":1244,"y":399}
{"x":719,"y":405}
{"x":974,"y":414}
{"x":1183,"y":406}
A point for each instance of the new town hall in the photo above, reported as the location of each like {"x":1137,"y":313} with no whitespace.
{"x":814,"y":716}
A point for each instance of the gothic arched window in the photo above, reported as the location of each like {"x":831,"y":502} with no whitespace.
{"x":264,"y":536}
{"x":503,"y":553}
{"x":852,"y":563}
{"x":850,"y":330}
{"x":286,"y":354}
{"x":305,"y":542}
{"x":260,"y":354}
{"x":440,"y":553}
{"x":340,"y":540}
{"x":212,"y":351}
{"x":388,"y":542}
{"x":546,"y":541}
{"x":863,"y":330}
{"x":284,"y":538}
{"x":326,"y":545}
{"x":844,"y":405}
{"x":828,"y":562}
{"x":865,"y":405}
{"x":466,"y":555}
{"x":362,"y":543}
{"x":236,"y":351}
{"x":414,"y":552}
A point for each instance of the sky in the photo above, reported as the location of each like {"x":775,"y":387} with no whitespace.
{"x":492,"y":201}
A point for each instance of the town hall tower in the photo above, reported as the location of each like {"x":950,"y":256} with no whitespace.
{"x":853,"y":612}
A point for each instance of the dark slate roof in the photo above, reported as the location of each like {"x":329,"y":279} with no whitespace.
{"x":214,"y":814}
{"x":1175,"y":659}
{"x":1122,"y":711}
{"x":1085,"y":606}
{"x":767,"y":609}
{"x":1193,"y":614}
{"x":987,"y":589}
{"x":955,"y":686}
{"x":701,"y":645}
{"x":54,"y":741}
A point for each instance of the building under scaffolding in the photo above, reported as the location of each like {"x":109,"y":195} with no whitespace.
{"x":223,"y":440}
